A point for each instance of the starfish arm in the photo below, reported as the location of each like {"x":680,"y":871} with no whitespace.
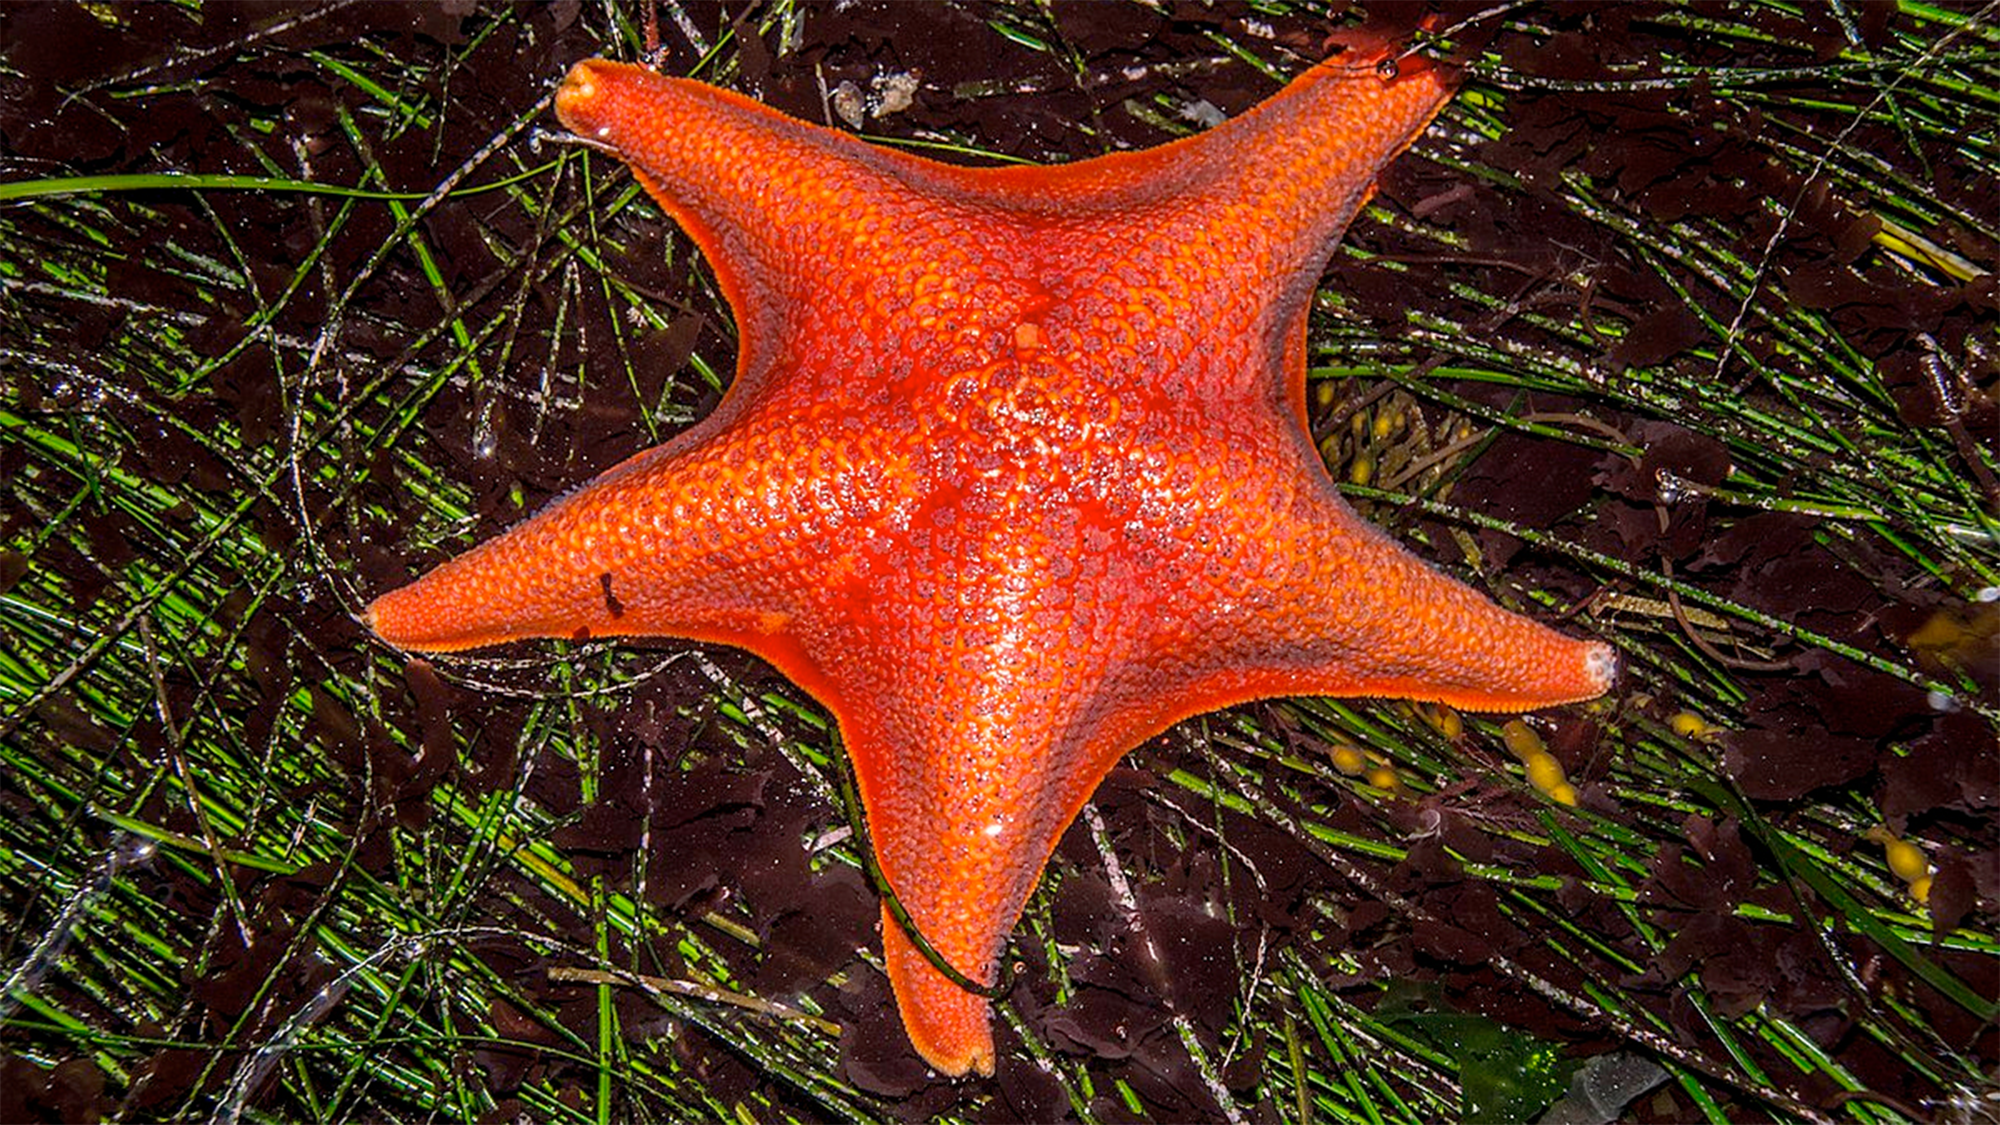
{"x":1200,"y":256}
{"x":711,"y":537}
{"x":1303,"y":160}
{"x":1320,"y":602}
{"x":969,"y":780}
{"x":759,"y":192}
{"x":1433,"y":639}
{"x":967,"y":696}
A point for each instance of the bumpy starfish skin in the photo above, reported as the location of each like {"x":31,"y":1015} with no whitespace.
{"x":1013,"y":476}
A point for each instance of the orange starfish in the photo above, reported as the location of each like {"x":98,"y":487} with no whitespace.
{"x":1013,"y":476}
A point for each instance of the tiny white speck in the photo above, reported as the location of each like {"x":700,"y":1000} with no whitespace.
{"x":1989,"y":594}
{"x":1943,"y":702}
{"x":603,"y":131}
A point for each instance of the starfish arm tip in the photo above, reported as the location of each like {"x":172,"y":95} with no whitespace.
{"x":577,"y":94}
{"x":408,"y":620}
{"x":1600,"y":663}
{"x":951,"y":1028}
{"x":389,"y":619}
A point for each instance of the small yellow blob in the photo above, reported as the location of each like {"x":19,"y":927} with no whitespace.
{"x":1382,"y":777}
{"x":1362,"y":470}
{"x":1545,"y":773}
{"x":1906,"y":860}
{"x":1687,"y":724}
{"x":1349,"y":760}
{"x":1563,"y":793}
{"x":1442,"y":719}
{"x":1387,"y":423}
{"x":1522,"y":741}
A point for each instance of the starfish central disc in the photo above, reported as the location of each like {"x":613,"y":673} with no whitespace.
{"x":1013,"y":475}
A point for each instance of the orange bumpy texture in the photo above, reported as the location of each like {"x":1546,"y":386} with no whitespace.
{"x":1013,"y":475}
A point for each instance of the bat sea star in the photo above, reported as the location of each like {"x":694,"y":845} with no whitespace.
{"x":1013,"y":475}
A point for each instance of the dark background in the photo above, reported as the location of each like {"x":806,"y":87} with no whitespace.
{"x":1634,"y":339}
